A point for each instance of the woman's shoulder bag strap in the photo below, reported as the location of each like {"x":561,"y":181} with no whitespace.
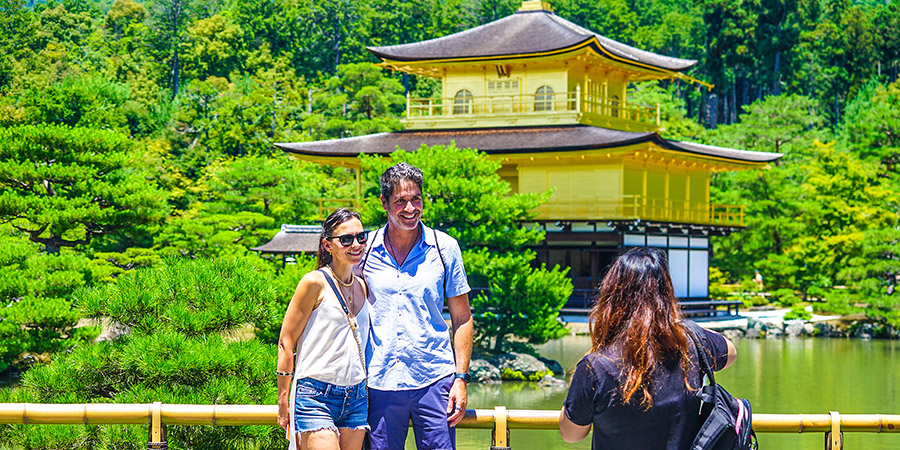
{"x":337,"y":293}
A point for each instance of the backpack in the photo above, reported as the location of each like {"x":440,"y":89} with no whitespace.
{"x":726,"y":421}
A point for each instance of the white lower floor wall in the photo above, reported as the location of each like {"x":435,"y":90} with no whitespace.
{"x":688,"y":261}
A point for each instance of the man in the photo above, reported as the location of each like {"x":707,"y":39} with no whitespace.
{"x":413,"y":373}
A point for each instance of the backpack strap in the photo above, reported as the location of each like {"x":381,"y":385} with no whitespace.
{"x":701,"y":344}
{"x":362,"y":266}
{"x":441,"y":255}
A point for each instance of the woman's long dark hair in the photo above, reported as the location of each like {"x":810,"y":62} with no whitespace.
{"x":339,"y":216}
{"x":636,"y":314}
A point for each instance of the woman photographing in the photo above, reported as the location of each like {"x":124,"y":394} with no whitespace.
{"x":637,"y":387}
{"x":326,"y":324}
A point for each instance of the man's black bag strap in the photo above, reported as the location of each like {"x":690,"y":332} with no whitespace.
{"x":443,"y":264}
{"x":362,"y":266}
{"x":701,"y":343}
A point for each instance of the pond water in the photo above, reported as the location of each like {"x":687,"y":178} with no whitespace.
{"x":789,"y":376}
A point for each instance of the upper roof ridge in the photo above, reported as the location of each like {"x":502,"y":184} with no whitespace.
{"x":533,"y":30}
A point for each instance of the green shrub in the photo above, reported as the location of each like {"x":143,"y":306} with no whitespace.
{"x":517,"y":375}
{"x":798,"y":312}
{"x":284,"y":283}
{"x":785,"y":297}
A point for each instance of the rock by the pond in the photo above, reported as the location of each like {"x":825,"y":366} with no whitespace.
{"x":521,"y":366}
{"x":810,"y":329}
{"x":756,"y":324}
{"x":549,"y":381}
{"x":793,"y":328}
{"x":864,"y":331}
{"x":484,"y":372}
{"x":733,"y":334}
{"x":826,"y":330}
{"x":554,"y":366}
{"x":773,"y":332}
{"x":752,"y":333}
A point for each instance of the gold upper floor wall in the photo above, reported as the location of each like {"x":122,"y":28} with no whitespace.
{"x":579,"y":89}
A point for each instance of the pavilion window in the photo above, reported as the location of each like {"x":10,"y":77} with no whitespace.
{"x":462,"y":102}
{"x":503,"y":87}
{"x":543,"y":99}
{"x":614,"y":102}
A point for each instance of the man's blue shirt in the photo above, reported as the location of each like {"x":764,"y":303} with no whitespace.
{"x":409,"y":341}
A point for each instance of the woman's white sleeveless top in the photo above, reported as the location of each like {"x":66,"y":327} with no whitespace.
{"x":327,"y":350}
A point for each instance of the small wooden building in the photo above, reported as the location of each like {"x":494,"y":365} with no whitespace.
{"x":292,"y":240}
{"x":548,"y":99}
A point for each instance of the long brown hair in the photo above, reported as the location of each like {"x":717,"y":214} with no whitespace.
{"x":637,"y":316}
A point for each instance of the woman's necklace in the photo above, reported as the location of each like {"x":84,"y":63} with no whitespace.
{"x":339,"y":280}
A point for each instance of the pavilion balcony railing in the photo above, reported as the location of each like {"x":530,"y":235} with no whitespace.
{"x":629,"y":207}
{"x":558,"y":107}
{"x":158,"y":416}
{"x":327,"y":205}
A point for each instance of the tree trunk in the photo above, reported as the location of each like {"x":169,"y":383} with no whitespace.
{"x":744,"y":90}
{"x":51,"y":246}
{"x":689,"y":105}
{"x":734,"y":105}
{"x":175,"y":71}
{"x":836,"y":117}
{"x":726,"y":110}
{"x":776,"y":86}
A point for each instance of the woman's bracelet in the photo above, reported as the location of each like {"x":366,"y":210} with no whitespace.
{"x":284,"y":374}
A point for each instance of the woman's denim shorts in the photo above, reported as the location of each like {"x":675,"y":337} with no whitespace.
{"x":320,"y":405}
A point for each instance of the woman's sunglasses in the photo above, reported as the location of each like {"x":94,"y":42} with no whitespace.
{"x":347,"y":239}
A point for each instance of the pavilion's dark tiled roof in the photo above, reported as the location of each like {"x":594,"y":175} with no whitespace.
{"x":545,"y":139}
{"x":523,"y":33}
{"x":292,"y":240}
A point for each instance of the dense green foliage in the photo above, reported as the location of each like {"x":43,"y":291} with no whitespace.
{"x":66,"y":186}
{"x":815,"y":218}
{"x":37,"y":317}
{"x":465,"y":197}
{"x":184,"y":340}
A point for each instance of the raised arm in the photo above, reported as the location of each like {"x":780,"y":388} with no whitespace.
{"x":732,"y":353}
{"x":571,"y":432}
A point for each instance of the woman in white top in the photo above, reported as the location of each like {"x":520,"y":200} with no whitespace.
{"x":325,"y":407}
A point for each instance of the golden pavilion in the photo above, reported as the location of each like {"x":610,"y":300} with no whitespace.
{"x":549,"y":100}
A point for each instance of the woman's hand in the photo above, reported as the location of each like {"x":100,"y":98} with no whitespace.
{"x":284,"y":415}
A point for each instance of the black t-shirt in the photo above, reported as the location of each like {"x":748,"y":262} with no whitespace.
{"x":671,"y":423}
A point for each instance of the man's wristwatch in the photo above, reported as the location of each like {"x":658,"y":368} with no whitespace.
{"x":463,"y":376}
